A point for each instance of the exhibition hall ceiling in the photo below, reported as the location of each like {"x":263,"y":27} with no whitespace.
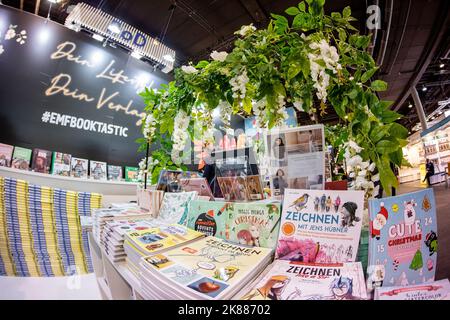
{"x":411,"y":45}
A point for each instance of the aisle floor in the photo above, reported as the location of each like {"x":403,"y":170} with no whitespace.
{"x":442,"y":195}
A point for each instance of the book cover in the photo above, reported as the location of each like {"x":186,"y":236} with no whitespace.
{"x":61,"y":164}
{"x":157,"y":239}
{"x":251,"y":224}
{"x":131,"y":174}
{"x":403,"y":240}
{"x":209,"y":217}
{"x":97,"y":170}
{"x":197,"y":184}
{"x":241,"y":188}
{"x":287,"y":280}
{"x":437,"y":290}
{"x":320,"y":226}
{"x":174,"y":207}
{"x":79,"y":168}
{"x":114,"y":173}
{"x":170,"y":180}
{"x":6,"y":153}
{"x":41,"y":161}
{"x":209,"y":267}
{"x":21,"y":158}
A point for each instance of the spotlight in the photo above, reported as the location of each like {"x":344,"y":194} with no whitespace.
{"x":54,"y":1}
{"x":410,"y":105}
{"x":441,"y":65}
{"x":98,"y":37}
{"x":424,"y":89}
{"x":114,"y":28}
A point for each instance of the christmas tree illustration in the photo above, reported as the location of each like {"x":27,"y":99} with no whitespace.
{"x":417,"y":261}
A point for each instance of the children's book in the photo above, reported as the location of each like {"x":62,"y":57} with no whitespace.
{"x":79,"y":168}
{"x":6,"y":152}
{"x":288,"y":280}
{"x":21,"y":158}
{"x":114,"y":173}
{"x":61,"y":164}
{"x":320,"y":226}
{"x":131,"y":174}
{"x":97,"y":170}
{"x":403,"y":240}
{"x":174,"y":207}
{"x":437,"y":290}
{"x":42,"y":161}
{"x":253,"y":224}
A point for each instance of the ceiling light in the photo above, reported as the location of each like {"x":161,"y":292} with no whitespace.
{"x":441,"y":65}
{"x":114,"y":28}
{"x":98,"y":37}
{"x":169,"y":58}
{"x":410,"y":105}
{"x":54,"y":1}
{"x":136,"y":55}
{"x":424,"y":89}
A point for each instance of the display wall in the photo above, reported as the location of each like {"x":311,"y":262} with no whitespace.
{"x":62,"y":90}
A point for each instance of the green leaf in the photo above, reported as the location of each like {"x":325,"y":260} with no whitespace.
{"x":294,"y":70}
{"x":398,"y":131}
{"x":388,"y":116}
{"x":365,"y":127}
{"x":378,"y":133}
{"x":347,"y":12}
{"x":386,"y":146}
{"x":353,"y":94}
{"x":379,"y":85}
{"x":292,"y":11}
{"x":301,"y":6}
{"x":342,"y":34}
{"x":202,"y":64}
{"x":396,"y":157}
{"x":368,"y":74}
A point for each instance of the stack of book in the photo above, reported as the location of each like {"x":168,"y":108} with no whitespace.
{"x":141,"y":243}
{"x":6,"y":263}
{"x":288,"y":280}
{"x":43,"y":230}
{"x":102,"y":216}
{"x":18,"y":228}
{"x":209,"y":268}
{"x":114,"y":236}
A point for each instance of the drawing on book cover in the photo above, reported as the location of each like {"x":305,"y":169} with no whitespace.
{"x":403,"y":241}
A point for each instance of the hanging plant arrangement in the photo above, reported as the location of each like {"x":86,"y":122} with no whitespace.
{"x":306,"y":59}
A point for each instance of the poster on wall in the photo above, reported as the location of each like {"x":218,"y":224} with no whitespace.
{"x":296,"y":158}
{"x":81,"y":98}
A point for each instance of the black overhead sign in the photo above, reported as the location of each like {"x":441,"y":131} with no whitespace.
{"x":63,"y":91}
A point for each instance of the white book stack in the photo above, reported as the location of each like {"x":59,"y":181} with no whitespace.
{"x":205,"y":269}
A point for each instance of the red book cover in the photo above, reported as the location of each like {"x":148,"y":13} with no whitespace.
{"x":42,"y":161}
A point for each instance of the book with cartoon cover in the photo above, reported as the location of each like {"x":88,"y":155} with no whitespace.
{"x":437,"y":290}
{"x":114,"y":173}
{"x":320,"y":226}
{"x":209,"y":268}
{"x":6,"y":152}
{"x":403,"y":240}
{"x":97,"y":170}
{"x":131,"y":174}
{"x":160,"y":238}
{"x":209,"y":217}
{"x":61,"y":164}
{"x":21,"y":158}
{"x":287,"y":280}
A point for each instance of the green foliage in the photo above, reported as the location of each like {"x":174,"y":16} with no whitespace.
{"x":276,"y":62}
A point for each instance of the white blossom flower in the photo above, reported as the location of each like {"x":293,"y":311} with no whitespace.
{"x":246,"y":30}
{"x":298,"y":104}
{"x":354,"y":161}
{"x":238,"y":84}
{"x":189,"y":69}
{"x":219,"y":56}
{"x":362,"y":173}
{"x":11,"y":33}
{"x":371,"y":167}
{"x":1,"y":49}
{"x":354,"y":146}
{"x":376,"y":177}
{"x":225,"y":111}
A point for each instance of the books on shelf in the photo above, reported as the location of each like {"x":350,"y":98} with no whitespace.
{"x":41,"y":161}
{"x":287,"y":280}
{"x":320,"y":226}
{"x":131,"y":174}
{"x":97,"y":170}
{"x":174,"y":207}
{"x":141,"y":243}
{"x":208,"y":268}
{"x":21,"y":158}
{"x":253,"y":224}
{"x":239,"y":188}
{"x":61,"y":164}
{"x":170,"y":180}
{"x":6,"y":153}
{"x":197,"y":184}
{"x":114,"y":173}
{"x":435,"y":290}
{"x":403,"y":240}
{"x":79,"y":168}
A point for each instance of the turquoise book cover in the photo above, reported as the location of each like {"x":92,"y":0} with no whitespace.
{"x":209,"y":217}
{"x":403,"y":240}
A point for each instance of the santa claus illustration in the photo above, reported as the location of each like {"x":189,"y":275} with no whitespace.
{"x":379,"y":222}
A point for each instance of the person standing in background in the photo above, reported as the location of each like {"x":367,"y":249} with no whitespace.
{"x":430,"y":171}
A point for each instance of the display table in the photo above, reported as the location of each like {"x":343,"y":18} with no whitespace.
{"x":115,"y":280}
{"x":112,"y":191}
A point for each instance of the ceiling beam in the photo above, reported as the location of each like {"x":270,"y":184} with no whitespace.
{"x":36,"y":8}
{"x":21,"y":4}
{"x":436,"y":36}
{"x":254,"y":10}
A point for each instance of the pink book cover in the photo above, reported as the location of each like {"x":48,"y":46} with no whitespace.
{"x":6,"y":152}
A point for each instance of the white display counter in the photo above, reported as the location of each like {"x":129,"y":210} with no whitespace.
{"x":112,"y":191}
